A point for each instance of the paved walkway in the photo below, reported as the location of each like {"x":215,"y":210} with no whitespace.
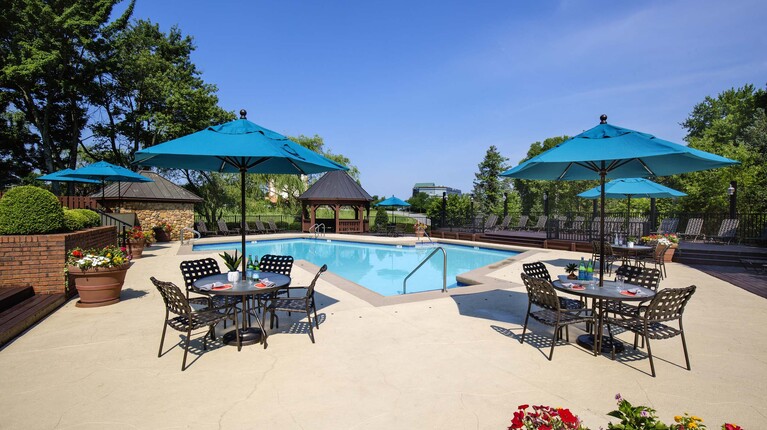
{"x":451,"y":362}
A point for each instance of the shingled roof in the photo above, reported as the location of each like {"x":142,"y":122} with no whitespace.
{"x":159,"y":190}
{"x":336,"y":185}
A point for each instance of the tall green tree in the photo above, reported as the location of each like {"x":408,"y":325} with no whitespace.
{"x":732,"y":124}
{"x":489,"y":186}
{"x":48,"y":65}
{"x":420,"y":202}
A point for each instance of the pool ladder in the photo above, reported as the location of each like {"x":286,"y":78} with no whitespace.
{"x":444,"y":269}
{"x":316,"y":230}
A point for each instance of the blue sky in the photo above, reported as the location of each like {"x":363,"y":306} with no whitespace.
{"x":417,"y":91}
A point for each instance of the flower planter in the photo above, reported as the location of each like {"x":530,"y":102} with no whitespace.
{"x":161,"y":235}
{"x":137,"y":248}
{"x":418,"y":233}
{"x":98,"y":286}
{"x":669,"y":253}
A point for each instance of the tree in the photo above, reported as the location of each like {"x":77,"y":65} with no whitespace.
{"x":18,"y":149}
{"x":732,"y":125}
{"x":489,"y":186}
{"x":48,"y":67}
{"x":420,"y":202}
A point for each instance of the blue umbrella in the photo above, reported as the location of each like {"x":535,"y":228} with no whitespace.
{"x":61,"y":176}
{"x":607,"y":151}
{"x":237,"y":146}
{"x":393,"y":201}
{"x":103,"y":171}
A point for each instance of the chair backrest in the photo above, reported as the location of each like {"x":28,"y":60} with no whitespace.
{"x":541,"y":293}
{"x":260,"y":225}
{"x":281,"y":264}
{"x":222,"y":225}
{"x":310,"y":288}
{"x":491,"y":220}
{"x":505,"y":222}
{"x":728,"y":228}
{"x":647,"y":277}
{"x":536,"y":270}
{"x":694,"y":225}
{"x":659,"y":250}
{"x":201,"y":227}
{"x":193,"y":270}
{"x":578,"y":223}
{"x":542,"y":221}
{"x":175,"y":300}
{"x":668,"y":304}
{"x":664,"y":225}
{"x":672,"y":225}
{"x":523,"y":221}
{"x":272,"y":225}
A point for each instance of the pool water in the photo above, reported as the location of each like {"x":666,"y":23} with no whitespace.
{"x":380,"y":268}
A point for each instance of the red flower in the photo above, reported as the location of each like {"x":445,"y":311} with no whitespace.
{"x":567,"y":416}
{"x":77,"y":254}
{"x":728,"y":426}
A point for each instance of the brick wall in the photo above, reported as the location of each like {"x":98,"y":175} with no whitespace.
{"x":38,"y":260}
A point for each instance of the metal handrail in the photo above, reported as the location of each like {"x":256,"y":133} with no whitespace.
{"x":316,"y":228}
{"x":194,"y":232}
{"x":444,"y":269}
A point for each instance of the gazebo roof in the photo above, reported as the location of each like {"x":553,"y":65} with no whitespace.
{"x":336,"y":185}
{"x":159,"y":190}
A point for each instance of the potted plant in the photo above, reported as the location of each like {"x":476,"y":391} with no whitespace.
{"x":670,"y":239}
{"x":630,"y":241}
{"x":571,"y":269}
{"x":232,"y":262}
{"x":98,"y":274}
{"x":138,"y":239}
{"x":162,"y":231}
{"x":419,"y":228}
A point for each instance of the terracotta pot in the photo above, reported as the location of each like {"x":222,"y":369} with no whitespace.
{"x":669,"y":254}
{"x":418,"y":232}
{"x":98,"y":286}
{"x":572,"y":276}
{"x":137,"y":248}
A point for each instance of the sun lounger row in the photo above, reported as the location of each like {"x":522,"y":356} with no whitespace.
{"x":258,"y":227}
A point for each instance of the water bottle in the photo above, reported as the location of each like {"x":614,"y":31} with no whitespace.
{"x":590,"y":271}
{"x":582,"y":270}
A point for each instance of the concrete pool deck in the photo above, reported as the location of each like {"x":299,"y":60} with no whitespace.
{"x":446,"y":361}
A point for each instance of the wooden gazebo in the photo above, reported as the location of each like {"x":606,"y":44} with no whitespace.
{"x":336,"y":190}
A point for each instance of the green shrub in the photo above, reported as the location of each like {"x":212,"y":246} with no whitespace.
{"x":75,"y":220}
{"x":30,"y":210}
{"x":93,"y":218}
{"x":382,"y":218}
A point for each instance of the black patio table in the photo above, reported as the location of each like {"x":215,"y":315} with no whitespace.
{"x":610,"y":291}
{"x":245,"y":334}
{"x":629,"y":252}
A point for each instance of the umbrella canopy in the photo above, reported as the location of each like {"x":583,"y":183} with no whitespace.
{"x":61,"y":176}
{"x":394,"y":202}
{"x":103,"y":171}
{"x":237,"y":146}
{"x":632,"y":187}
{"x":607,"y":151}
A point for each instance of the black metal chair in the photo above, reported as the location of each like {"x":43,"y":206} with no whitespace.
{"x":542,"y":294}
{"x":634,"y":275}
{"x":186,"y":319}
{"x":193,"y":270}
{"x":610,"y":256}
{"x":539,"y":270}
{"x":303,"y":304}
{"x":651,"y":322}
{"x":656,"y":258}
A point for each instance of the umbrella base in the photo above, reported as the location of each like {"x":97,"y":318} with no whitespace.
{"x":587,"y":341}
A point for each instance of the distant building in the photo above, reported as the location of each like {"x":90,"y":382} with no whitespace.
{"x":433,"y":190}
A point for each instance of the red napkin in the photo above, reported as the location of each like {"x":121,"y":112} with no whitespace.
{"x":222,"y":287}
{"x":628,"y":293}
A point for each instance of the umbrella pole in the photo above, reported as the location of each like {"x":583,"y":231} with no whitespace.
{"x":242,"y":220}
{"x":602,"y":174}
{"x":103,"y":198}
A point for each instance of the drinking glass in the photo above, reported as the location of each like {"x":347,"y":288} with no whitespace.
{"x":619,"y":281}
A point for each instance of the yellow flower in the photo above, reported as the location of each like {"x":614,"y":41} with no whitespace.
{"x":692,"y":425}
{"x":677,"y":418}
{"x":696,"y":418}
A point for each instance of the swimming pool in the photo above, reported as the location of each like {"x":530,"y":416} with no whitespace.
{"x":380,"y":268}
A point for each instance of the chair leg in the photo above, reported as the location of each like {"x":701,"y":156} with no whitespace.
{"x":684,"y":347}
{"x":162,"y":338}
{"x":186,"y":348}
{"x":524,"y":328}
{"x":554,"y":341}
{"x":649,"y":354}
{"x":311,"y":329}
{"x":316,"y":321}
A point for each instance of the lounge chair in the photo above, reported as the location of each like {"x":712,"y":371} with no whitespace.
{"x":261,"y":228}
{"x":541,"y":224}
{"x":694,"y":226}
{"x":490,"y":222}
{"x":504,"y":225}
{"x":249,"y":229}
{"x":273,"y":226}
{"x":522,"y":224}
{"x":577,"y":224}
{"x":225,"y":230}
{"x":667,"y":226}
{"x":203,"y":229}
{"x":727,"y":231}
